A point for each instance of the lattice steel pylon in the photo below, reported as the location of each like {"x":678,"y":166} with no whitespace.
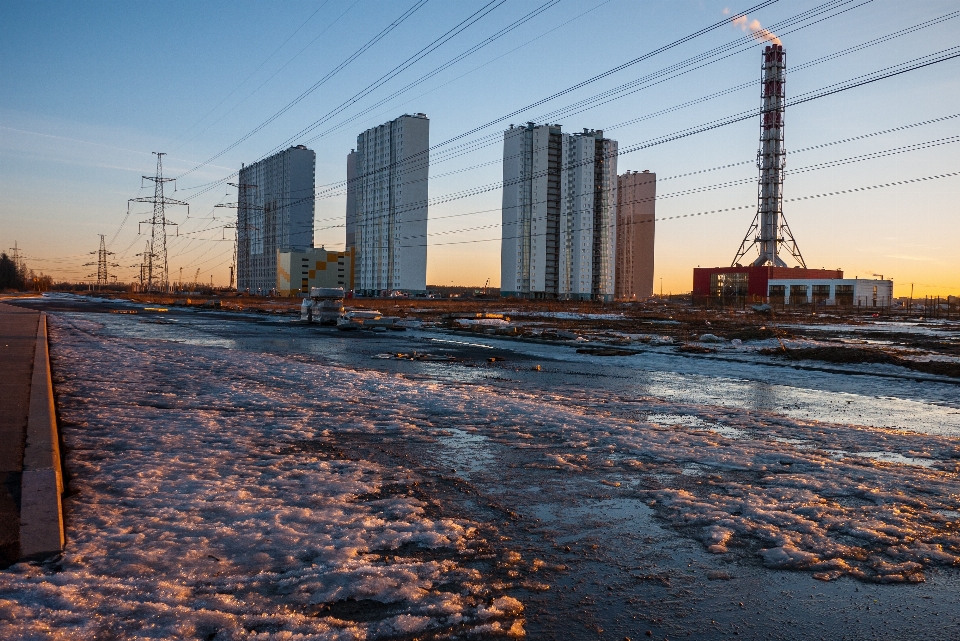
{"x":769,"y":229}
{"x":158,"y":275}
{"x":103,"y":276}
{"x":143,"y":264}
{"x":241,"y":240}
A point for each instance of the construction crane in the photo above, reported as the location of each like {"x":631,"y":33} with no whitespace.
{"x":196,"y":281}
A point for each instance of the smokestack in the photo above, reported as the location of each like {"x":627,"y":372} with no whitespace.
{"x":769,"y":229}
{"x":771,"y":157}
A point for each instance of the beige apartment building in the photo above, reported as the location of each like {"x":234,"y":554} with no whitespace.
{"x":636,"y":223}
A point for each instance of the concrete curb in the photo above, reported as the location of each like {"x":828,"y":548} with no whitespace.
{"x":41,"y":511}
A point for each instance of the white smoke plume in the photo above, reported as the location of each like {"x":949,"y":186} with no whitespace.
{"x":753,"y":26}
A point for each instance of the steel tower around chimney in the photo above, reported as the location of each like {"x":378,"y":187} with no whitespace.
{"x":769,"y":229}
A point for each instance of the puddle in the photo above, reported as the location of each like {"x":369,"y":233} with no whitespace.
{"x":687,"y":420}
{"x":883,"y":457}
{"x":466,"y":452}
{"x":893,"y":457}
{"x":444,"y":340}
{"x":726,"y":430}
{"x":694,"y":469}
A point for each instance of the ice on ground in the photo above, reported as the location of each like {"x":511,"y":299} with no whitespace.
{"x":207,"y":501}
{"x":565,"y":315}
{"x":209,"y":498}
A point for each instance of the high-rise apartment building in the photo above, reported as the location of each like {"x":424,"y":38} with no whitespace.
{"x":274,"y":214}
{"x":387,"y":205}
{"x":351,"y":240}
{"x":636,"y":224}
{"x":559,"y":213}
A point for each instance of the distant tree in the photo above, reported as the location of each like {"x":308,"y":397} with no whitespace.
{"x":41,"y":282}
{"x":11,"y":274}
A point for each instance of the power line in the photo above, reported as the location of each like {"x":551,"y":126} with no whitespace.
{"x":656,"y":78}
{"x":858,"y":81}
{"x":817,"y":166}
{"x":829,"y":90}
{"x":399,"y":68}
{"x":791,"y":103}
{"x":356,"y":54}
{"x":823,"y":165}
{"x":742,"y":207}
{"x":265,"y":61}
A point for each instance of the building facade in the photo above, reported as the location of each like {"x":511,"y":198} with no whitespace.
{"x":387,"y":214}
{"x":636,"y":227}
{"x":298,"y":271}
{"x":351,"y":240}
{"x":788,"y":286}
{"x":558,"y":214}
{"x":274,"y":214}
{"x":750,"y":283}
{"x":841,"y":292}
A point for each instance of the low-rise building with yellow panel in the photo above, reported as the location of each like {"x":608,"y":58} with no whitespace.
{"x":298,"y":271}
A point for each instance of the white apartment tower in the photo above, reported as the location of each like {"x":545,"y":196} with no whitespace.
{"x":559,"y":214}
{"x":274,"y":214}
{"x":387,"y":205}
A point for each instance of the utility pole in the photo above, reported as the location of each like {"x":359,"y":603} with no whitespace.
{"x":157,"y":266}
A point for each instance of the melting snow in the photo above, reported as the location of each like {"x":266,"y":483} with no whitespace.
{"x":207,"y":502}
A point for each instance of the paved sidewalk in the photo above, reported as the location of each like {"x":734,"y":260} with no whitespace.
{"x":18,"y":342}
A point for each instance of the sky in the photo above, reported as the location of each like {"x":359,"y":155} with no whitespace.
{"x":90,"y":90}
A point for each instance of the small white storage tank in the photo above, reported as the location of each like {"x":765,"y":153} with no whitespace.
{"x":324,"y":305}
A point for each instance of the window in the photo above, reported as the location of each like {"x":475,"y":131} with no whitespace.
{"x":798,"y":294}
{"x":778,"y":293}
{"x":821,"y":293}
{"x":729,"y":285}
{"x":843,"y":294}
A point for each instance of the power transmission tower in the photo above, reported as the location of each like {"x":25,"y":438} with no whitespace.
{"x":17,"y":259}
{"x":102,"y":265}
{"x":241,"y":241}
{"x":143,"y":264}
{"x":157,"y":266}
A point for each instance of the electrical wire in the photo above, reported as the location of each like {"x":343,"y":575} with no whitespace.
{"x":253,"y":73}
{"x":588,"y":103}
{"x":356,"y":54}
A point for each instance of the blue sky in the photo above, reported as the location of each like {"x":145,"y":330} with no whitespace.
{"x":91,"y":89}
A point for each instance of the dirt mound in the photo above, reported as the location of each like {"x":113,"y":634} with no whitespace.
{"x":843,"y":355}
{"x":850,"y":355}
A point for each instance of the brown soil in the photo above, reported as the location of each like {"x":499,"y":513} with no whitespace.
{"x":849,"y":355}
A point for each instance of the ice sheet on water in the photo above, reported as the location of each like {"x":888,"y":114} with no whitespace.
{"x":206,"y":503}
